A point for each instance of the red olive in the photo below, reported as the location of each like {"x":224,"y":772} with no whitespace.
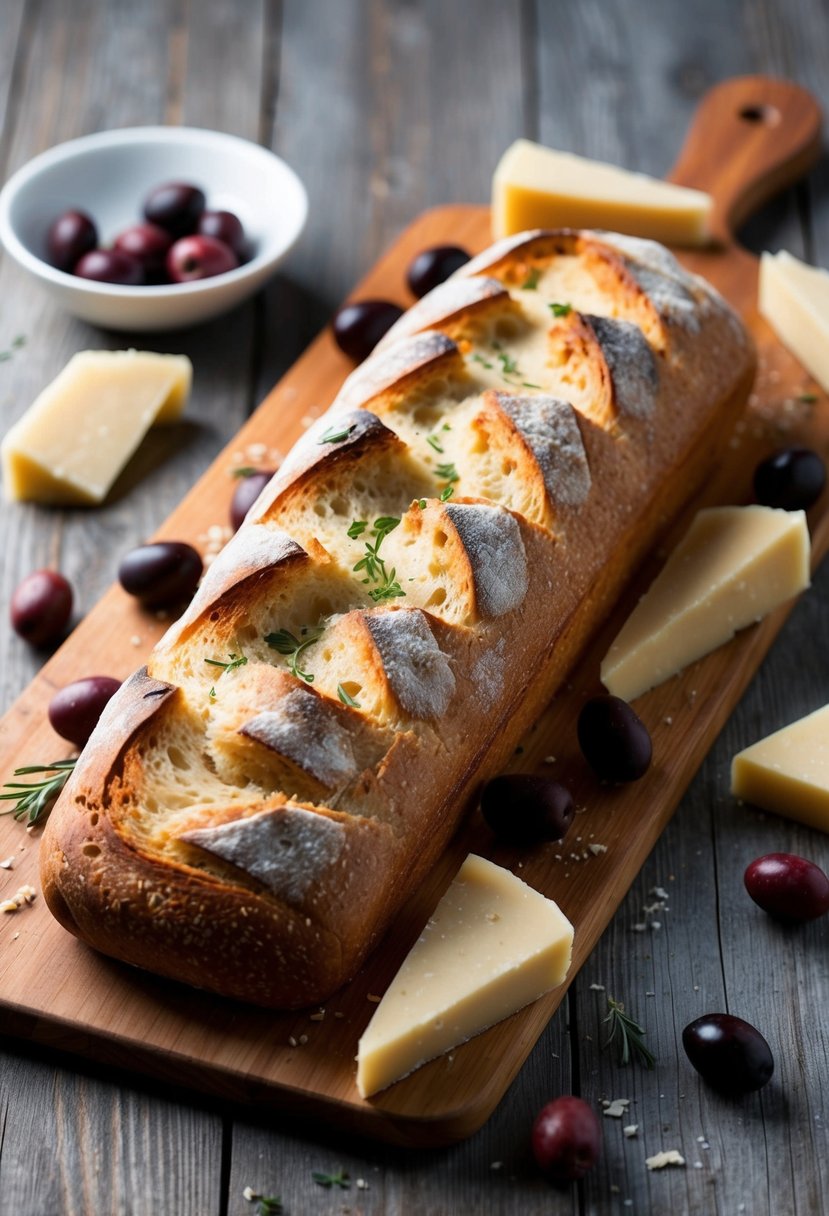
{"x":74,"y":710}
{"x":148,"y":244}
{"x":566,"y":1139}
{"x":175,"y":206}
{"x":788,"y":887}
{"x":199,"y":257}
{"x":226,"y":227}
{"x":71,"y":236}
{"x":110,"y":266}
{"x":41,"y":607}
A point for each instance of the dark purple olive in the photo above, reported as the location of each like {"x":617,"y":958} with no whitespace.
{"x":788,"y":887}
{"x":434,"y":266}
{"x":358,"y":327}
{"x":614,"y":741}
{"x":523,"y":809}
{"x":728,"y":1053}
{"x":792,"y":478}
{"x":246,"y":493}
{"x":162,"y":574}
{"x":41,"y":607}
{"x":199,"y":257}
{"x":226,"y":227}
{"x":71,"y":236}
{"x":566,"y":1139}
{"x":74,"y":710}
{"x":148,"y":244}
{"x":110,"y":266}
{"x":175,"y":206}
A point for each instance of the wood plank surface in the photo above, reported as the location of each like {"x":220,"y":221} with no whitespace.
{"x":662,"y":56}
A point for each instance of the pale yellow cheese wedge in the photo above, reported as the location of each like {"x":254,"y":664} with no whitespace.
{"x":537,"y":187}
{"x":788,"y":772}
{"x":75,"y":439}
{"x":794,"y":299}
{"x":732,"y":567}
{"x":492,"y":946}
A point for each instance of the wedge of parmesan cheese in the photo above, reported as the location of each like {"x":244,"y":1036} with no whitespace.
{"x":732,"y":567}
{"x":538,"y":187}
{"x":788,"y":772}
{"x":794,"y":299}
{"x":74,"y":440}
{"x":492,"y":946}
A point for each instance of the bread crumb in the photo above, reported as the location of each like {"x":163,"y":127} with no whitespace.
{"x":659,"y":1160}
{"x":361,"y":1184}
{"x":496,"y":1165}
{"x":597,"y":988}
{"x":631,"y":1130}
{"x":8,"y":864}
{"x":292,"y":1041}
{"x":549,"y":759}
{"x":23,"y":896}
{"x":249,"y":1194}
{"x":319,"y":1016}
{"x":375,"y":1000}
{"x":135,"y":640}
{"x":597,"y":849}
{"x":617,"y":1108}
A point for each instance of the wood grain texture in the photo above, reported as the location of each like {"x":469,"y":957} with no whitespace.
{"x":618,"y":80}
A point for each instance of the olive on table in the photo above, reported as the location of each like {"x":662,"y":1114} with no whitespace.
{"x":74,"y":710}
{"x":247,"y":491}
{"x":199,"y":257}
{"x":566,"y":1139}
{"x":41,"y":607}
{"x":69,"y":237}
{"x":162,"y":574}
{"x":148,"y":244}
{"x":791,"y":479}
{"x":175,"y":206}
{"x":110,"y":266}
{"x":788,"y":887}
{"x":728,"y":1053}
{"x":524,"y":809}
{"x":358,"y":327}
{"x":226,"y":227}
{"x":614,"y":740}
{"x":434,"y":266}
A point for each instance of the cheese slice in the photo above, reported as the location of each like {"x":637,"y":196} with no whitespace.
{"x":74,"y":440}
{"x":492,"y":946}
{"x":733,"y":566}
{"x":794,"y":299}
{"x":788,"y":772}
{"x":537,"y":187}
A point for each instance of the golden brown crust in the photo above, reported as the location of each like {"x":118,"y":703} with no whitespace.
{"x":168,"y":848}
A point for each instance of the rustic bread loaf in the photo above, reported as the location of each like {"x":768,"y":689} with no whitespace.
{"x":403,"y":598}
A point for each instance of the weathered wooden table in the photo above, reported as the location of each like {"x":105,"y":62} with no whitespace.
{"x":385,"y":109}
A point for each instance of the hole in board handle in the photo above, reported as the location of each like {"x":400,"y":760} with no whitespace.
{"x":770,"y":115}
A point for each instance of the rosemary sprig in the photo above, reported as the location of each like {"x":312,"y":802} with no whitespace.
{"x":334,"y":433}
{"x":371,"y":562}
{"x":560,"y":310}
{"x":33,"y":800}
{"x":347,"y":698}
{"x":630,"y":1034}
{"x":292,"y":647}
{"x":236,"y":660}
{"x":339,"y":1179}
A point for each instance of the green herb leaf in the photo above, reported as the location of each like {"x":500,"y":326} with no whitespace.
{"x":482,"y":360}
{"x":346,"y":698}
{"x":560,"y":310}
{"x":629,"y":1033}
{"x":531,"y":281}
{"x":421,"y":502}
{"x":292,"y":647}
{"x":335,"y":434}
{"x":244,"y":470}
{"x":339,"y":1179}
{"x":527,"y":384}
{"x":434,"y":442}
{"x":508,"y":365}
{"x":446,"y":493}
{"x":372,"y":563}
{"x":212,"y":694}
{"x":808,"y":398}
{"x":357,"y":528}
{"x":236,"y":660}
{"x":33,"y":800}
{"x":269,"y":1205}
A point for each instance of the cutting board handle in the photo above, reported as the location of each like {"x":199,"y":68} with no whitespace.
{"x":750,"y":138}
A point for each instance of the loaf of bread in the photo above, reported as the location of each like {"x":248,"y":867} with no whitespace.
{"x":401,"y":602}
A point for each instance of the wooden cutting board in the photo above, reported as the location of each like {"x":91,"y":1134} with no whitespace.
{"x":750,"y":137}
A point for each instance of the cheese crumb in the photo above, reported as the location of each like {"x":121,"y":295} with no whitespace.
{"x":659,"y":1160}
{"x":250,"y":1194}
{"x":361,"y":1184}
{"x":549,"y":759}
{"x":25,"y":895}
{"x":8,"y":864}
{"x":496,"y":1165}
{"x":617,"y":1108}
{"x":597,"y":849}
{"x":631,"y":1130}
{"x":597,"y":987}
{"x":319,"y":1016}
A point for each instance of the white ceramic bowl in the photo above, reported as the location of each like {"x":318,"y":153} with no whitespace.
{"x":108,"y":175}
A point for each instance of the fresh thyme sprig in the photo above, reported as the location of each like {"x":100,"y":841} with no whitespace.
{"x":347,"y":698}
{"x":292,"y":647}
{"x":339,"y":1179}
{"x":448,"y":473}
{"x":334,"y":433}
{"x":630,"y":1034}
{"x":236,"y":660}
{"x":371,"y":562}
{"x":33,"y":800}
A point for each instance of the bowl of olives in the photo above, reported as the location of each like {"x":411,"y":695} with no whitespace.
{"x":152,"y":228}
